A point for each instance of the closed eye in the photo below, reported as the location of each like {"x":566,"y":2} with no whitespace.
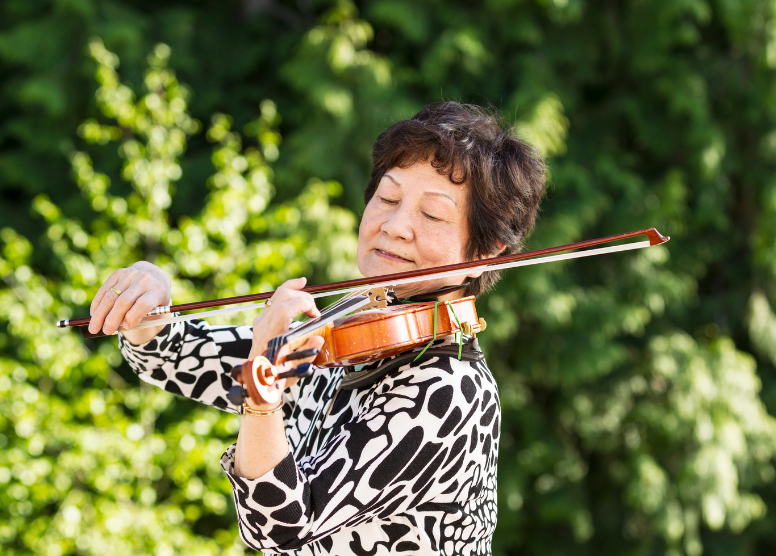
{"x":388,"y":201}
{"x":432,"y":218}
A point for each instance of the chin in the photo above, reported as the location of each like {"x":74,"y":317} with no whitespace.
{"x":378,"y":267}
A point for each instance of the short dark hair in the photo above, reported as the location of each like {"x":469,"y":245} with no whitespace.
{"x":470,"y":145}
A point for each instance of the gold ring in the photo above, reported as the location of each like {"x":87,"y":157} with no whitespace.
{"x":268,"y":303}
{"x":116,"y":291}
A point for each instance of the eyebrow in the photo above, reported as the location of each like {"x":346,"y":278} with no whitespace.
{"x":433,"y":193}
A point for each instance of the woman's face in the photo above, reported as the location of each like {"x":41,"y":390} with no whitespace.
{"x":416,"y":219}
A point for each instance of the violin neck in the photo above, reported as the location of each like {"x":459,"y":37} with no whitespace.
{"x":313,"y":327}
{"x":299,"y":341}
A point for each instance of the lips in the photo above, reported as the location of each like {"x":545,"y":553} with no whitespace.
{"x":388,"y":254}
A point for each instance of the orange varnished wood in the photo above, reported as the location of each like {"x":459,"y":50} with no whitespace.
{"x":370,"y":336}
{"x":379,"y":333}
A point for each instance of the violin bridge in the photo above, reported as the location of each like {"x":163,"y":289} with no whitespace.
{"x":378,"y":298}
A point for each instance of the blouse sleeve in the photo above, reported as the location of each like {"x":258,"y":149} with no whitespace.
{"x":413,"y":442}
{"x":191,"y":359}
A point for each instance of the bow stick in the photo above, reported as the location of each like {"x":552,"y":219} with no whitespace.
{"x":526,"y":258}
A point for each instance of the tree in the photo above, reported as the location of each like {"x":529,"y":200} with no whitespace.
{"x":637,"y":389}
{"x":92,"y":463}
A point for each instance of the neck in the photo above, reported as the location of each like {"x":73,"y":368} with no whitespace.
{"x":447,"y":293}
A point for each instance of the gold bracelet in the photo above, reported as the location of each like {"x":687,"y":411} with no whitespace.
{"x":246,"y":410}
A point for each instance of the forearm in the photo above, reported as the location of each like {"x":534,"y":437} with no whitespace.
{"x":261,"y":445}
{"x":140,"y":337}
{"x":191,"y":359}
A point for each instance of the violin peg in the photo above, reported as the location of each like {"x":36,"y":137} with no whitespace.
{"x":303,"y":370}
{"x":304,"y":354}
{"x":236,"y":373}
{"x":466,"y":328}
{"x":237,"y":395}
{"x":483,"y":324}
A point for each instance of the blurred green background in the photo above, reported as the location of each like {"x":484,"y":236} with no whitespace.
{"x":228,"y":142}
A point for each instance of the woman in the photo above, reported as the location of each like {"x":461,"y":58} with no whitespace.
{"x":408,"y":463}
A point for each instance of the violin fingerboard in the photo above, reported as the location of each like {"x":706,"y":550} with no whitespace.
{"x":274,"y":345}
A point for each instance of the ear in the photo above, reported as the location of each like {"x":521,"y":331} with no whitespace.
{"x":499,"y":249}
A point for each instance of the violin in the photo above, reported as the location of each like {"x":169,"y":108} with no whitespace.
{"x":378,"y":331}
{"x":364,"y":337}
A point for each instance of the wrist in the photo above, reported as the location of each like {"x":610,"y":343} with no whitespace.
{"x":263,"y":412}
{"x":141,"y":337}
{"x":265,"y":406}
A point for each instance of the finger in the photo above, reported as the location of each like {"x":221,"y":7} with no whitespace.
{"x":314,"y":342}
{"x":274,"y":321}
{"x":109,"y":283}
{"x":141,"y":308}
{"x":109,"y":297}
{"x":121,"y":305}
{"x":286,"y":295}
{"x":297,"y":304}
{"x":293,"y":284}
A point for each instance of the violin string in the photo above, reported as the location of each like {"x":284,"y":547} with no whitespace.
{"x":460,"y":330}
{"x":450,"y":274}
{"x":351,"y":304}
{"x":449,"y":305}
{"x":310,"y":327}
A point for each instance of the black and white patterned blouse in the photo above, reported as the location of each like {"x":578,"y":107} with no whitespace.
{"x":406,"y":465}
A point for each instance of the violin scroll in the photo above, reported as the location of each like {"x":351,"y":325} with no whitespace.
{"x":258,"y":378}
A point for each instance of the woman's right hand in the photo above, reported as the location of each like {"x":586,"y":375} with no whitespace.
{"x":143,"y":286}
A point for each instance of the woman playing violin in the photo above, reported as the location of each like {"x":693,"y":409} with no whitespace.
{"x":406,"y":464}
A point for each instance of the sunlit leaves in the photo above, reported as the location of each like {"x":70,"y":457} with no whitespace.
{"x":86,"y":466}
{"x":547,"y":127}
{"x":762,"y":325}
{"x":655,"y":113}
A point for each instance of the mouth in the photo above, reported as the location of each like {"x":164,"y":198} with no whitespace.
{"x":392,"y":256}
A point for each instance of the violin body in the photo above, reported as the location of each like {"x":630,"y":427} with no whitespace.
{"x":379,"y":333}
{"x":364,"y":337}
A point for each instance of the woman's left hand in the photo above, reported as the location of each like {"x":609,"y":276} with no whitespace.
{"x":274,"y":320}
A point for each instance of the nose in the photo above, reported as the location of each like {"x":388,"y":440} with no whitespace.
{"x":398,"y":225}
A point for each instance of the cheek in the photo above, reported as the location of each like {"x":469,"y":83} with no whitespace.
{"x":442,"y":246}
{"x":366,"y":230}
{"x":370,"y":222}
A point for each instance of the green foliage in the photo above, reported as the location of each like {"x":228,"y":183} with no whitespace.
{"x":638,"y":389}
{"x":92,"y":464}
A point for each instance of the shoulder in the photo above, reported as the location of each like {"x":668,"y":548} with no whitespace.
{"x":469,"y":376}
{"x":442,"y":386}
